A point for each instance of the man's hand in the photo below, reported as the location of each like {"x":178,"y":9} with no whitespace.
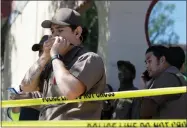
{"x":31,"y":80}
{"x":61,"y":46}
{"x":47,"y":47}
{"x":16,"y":110}
{"x":26,"y":95}
{"x":143,"y":79}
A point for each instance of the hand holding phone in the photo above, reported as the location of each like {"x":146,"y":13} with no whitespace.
{"x":12,"y":90}
{"x":146,"y":76}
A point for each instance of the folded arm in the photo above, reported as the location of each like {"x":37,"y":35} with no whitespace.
{"x":31,"y":79}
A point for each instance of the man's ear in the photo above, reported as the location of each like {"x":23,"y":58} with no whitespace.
{"x":183,"y":68}
{"x":78,"y":32}
{"x":163,"y":59}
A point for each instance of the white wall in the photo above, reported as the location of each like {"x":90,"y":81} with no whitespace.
{"x":123,"y":22}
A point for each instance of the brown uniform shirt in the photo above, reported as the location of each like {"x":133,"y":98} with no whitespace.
{"x":167,"y":106}
{"x":87,"y":67}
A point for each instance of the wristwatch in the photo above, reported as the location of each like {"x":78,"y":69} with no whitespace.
{"x":58,"y":56}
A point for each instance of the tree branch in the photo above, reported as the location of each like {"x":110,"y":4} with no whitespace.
{"x":84,"y":6}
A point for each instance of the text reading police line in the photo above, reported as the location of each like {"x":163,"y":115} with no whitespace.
{"x":87,"y":96}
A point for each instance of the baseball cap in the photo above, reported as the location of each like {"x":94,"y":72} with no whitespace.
{"x":123,"y":63}
{"x":64,"y":16}
{"x":128,"y":65}
{"x":36,"y":47}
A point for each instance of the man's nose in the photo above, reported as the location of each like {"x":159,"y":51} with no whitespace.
{"x":55,"y":34}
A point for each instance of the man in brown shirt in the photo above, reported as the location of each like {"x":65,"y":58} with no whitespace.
{"x":75,"y":71}
{"x":163,"y":75}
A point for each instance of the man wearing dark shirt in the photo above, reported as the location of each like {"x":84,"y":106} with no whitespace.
{"x":163,"y":75}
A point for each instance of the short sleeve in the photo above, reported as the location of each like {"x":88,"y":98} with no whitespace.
{"x":165,"y":80}
{"x":89,"y":69}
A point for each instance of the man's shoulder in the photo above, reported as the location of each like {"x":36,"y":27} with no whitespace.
{"x":90,"y":55}
{"x":85,"y":51}
{"x":167,"y":75}
{"x":166,"y":79}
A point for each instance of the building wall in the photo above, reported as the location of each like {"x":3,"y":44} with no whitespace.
{"x":122,"y":36}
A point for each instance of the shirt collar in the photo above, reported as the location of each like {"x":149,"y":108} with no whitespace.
{"x":71,"y":54}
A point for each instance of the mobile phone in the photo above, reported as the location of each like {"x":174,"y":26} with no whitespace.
{"x":146,"y":75}
{"x":12,"y":90}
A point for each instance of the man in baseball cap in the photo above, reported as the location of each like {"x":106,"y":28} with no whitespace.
{"x":67,"y":17}
{"x":123,"y":108}
{"x":73,"y":70}
{"x":126,"y":70}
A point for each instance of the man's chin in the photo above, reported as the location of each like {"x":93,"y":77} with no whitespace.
{"x":150,"y":74}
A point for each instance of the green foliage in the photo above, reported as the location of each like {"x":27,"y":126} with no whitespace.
{"x":161,"y":24}
{"x":90,"y":21}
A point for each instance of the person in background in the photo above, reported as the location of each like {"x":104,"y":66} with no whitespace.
{"x":163,"y":75}
{"x":126,"y":74}
{"x":26,"y":113}
{"x":107,"y":105}
{"x":177,"y":58}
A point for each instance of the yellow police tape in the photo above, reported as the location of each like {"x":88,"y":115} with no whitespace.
{"x":95,"y":97}
{"x":101,"y":123}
